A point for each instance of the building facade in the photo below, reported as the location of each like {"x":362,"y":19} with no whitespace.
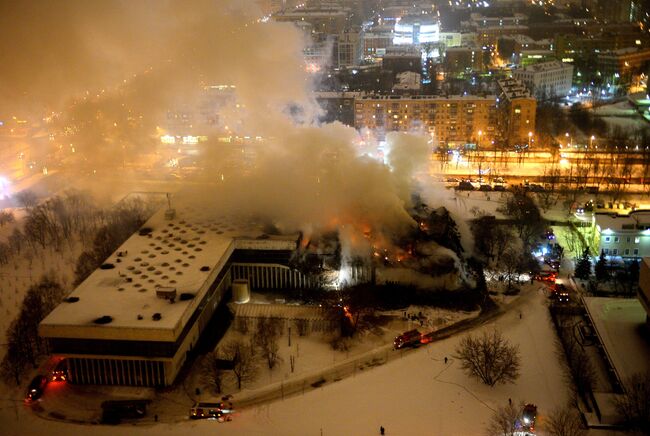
{"x":517,"y":111}
{"x":547,"y":79}
{"x":136,"y":319}
{"x":620,"y":65}
{"x":452,"y":121}
{"x":626,"y":236}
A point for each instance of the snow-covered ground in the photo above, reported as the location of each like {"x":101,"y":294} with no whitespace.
{"x":417,"y":394}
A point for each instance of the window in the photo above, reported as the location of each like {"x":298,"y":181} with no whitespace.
{"x":628,"y":239}
{"x":636,"y":251}
{"x":616,"y":239}
{"x":607,"y":239}
{"x":614,"y":252}
{"x":636,"y":240}
{"x":627,"y":251}
{"x":606,"y":250}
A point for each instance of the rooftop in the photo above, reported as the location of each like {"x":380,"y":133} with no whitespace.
{"x":513,"y":88}
{"x":185,"y":253}
{"x":544,"y":66}
{"x":617,"y":322}
{"x":635,"y":220}
{"x":428,"y":97}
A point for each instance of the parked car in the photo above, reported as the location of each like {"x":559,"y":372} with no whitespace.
{"x":36,"y":388}
{"x":465,"y":186}
{"x":485,"y":188}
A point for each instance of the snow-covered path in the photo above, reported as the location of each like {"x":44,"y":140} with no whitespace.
{"x":416,"y":395}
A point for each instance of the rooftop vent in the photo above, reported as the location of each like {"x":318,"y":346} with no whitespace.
{"x":71,"y":299}
{"x":186,"y":296}
{"x":103,"y":319}
{"x":166,"y":293}
{"x":144,"y":231}
{"x":205,"y":268}
{"x":107,"y":266}
{"x":156,"y":316}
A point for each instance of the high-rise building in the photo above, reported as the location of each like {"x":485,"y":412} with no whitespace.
{"x":517,"y":110}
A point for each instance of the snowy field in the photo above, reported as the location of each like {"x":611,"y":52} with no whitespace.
{"x":416,"y":395}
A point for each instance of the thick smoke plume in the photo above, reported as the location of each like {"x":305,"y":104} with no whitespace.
{"x":111,"y":69}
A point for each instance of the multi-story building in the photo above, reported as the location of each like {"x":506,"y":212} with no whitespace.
{"x":453,"y":121}
{"x":477,"y":21}
{"x":402,"y":59}
{"x":517,"y":110}
{"x":522,"y":49}
{"x":331,"y":21}
{"x":376,"y":40}
{"x":348,"y":48}
{"x":627,"y":236}
{"x":618,"y":66}
{"x":337,"y":106}
{"x":462,"y":59}
{"x":547,"y":79}
{"x":618,"y":10}
{"x":136,"y":319}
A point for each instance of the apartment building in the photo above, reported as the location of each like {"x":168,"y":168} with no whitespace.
{"x":547,"y":79}
{"x":453,"y":121}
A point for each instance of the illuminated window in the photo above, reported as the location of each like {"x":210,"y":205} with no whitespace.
{"x":636,"y":240}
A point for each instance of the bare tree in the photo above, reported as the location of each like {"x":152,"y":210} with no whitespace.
{"x":504,"y":420}
{"x":634,"y":404}
{"x":564,"y":421}
{"x":490,"y":358}
{"x":27,"y":199}
{"x":213,"y":370}
{"x":15,"y":360}
{"x":6,"y":217}
{"x":16,"y":241}
{"x":580,"y":369}
{"x":243,"y":361}
{"x":268,"y":333}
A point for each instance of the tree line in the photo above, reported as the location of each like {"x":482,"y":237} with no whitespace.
{"x":65,"y":219}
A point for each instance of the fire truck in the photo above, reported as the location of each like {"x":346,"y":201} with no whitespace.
{"x":411,"y":338}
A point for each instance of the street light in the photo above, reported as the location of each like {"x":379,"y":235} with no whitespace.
{"x":530,"y":136}
{"x":570,"y":144}
{"x":591,"y":141}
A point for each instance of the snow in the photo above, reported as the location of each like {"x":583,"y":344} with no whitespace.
{"x":171,"y":256}
{"x":618,"y":323}
{"x":416,"y":393}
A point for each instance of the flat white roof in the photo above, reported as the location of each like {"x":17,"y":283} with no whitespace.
{"x":186,"y":253}
{"x":618,"y":322}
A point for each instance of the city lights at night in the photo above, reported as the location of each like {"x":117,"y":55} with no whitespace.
{"x":325,"y":217}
